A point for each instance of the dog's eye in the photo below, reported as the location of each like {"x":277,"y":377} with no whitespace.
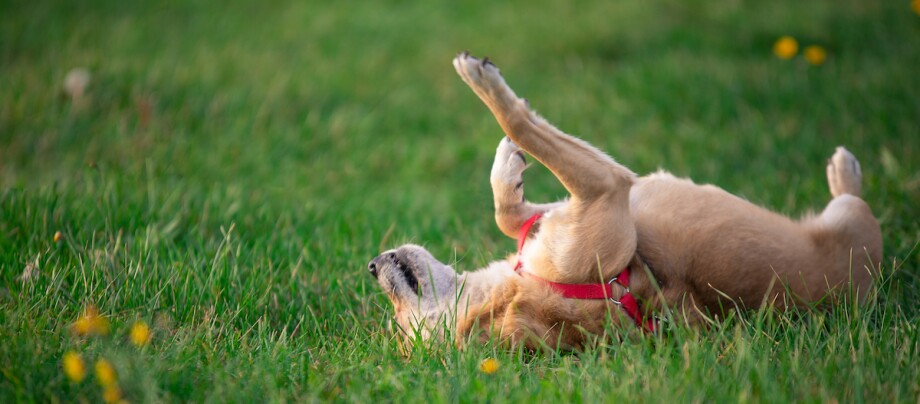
{"x":411,"y":280}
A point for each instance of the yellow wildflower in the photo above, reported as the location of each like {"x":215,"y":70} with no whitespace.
{"x":74,"y":367}
{"x":140,"y":333}
{"x":815,"y":55}
{"x":915,"y":4}
{"x":91,"y":323}
{"x":488,"y":366}
{"x":105,"y":373}
{"x":111,"y":394}
{"x":786,"y":47}
{"x":58,"y":236}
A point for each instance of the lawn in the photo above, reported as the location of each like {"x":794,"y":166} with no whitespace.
{"x":233,"y":166}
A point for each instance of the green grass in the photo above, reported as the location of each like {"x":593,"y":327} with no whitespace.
{"x":291,"y":142}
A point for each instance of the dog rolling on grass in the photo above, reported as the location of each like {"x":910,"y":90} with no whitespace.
{"x":623,"y":248}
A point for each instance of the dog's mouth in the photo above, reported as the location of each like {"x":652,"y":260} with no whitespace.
{"x":378,"y":265}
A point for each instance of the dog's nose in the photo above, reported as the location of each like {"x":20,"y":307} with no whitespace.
{"x":372,"y":267}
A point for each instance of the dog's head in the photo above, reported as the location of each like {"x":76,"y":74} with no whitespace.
{"x":420,"y":287}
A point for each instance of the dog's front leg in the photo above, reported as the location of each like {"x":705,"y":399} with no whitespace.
{"x":586,"y":172}
{"x":595,"y":228}
{"x":511,"y":208}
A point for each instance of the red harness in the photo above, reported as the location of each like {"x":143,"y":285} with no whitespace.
{"x":587,"y":290}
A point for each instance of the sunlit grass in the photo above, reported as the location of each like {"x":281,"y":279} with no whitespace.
{"x":229,"y":169}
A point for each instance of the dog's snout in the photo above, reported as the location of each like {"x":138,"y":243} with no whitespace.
{"x":372,"y":267}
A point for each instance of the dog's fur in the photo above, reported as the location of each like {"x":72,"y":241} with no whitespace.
{"x":693,"y":249}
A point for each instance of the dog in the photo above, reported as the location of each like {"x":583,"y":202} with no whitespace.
{"x":641,"y":246}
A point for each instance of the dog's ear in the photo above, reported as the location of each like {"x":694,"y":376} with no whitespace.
{"x":477,"y":330}
{"x":511,"y":318}
{"x":484,"y":322}
{"x":532,"y":317}
{"x":530,"y":322}
{"x":500,"y":327}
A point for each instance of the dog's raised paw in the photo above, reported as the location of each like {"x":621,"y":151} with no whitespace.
{"x":844,"y":175}
{"x":509,"y":164}
{"x":475,"y":71}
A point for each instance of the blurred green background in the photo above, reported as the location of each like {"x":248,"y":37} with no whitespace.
{"x":232,"y":167}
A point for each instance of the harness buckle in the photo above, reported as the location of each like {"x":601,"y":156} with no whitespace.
{"x":614,"y":280}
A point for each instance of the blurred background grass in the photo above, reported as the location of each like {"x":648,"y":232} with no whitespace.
{"x":236,"y":164}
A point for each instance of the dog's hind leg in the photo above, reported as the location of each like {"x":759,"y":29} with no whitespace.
{"x":847,"y":229}
{"x":845,"y":237}
{"x":511,"y":208}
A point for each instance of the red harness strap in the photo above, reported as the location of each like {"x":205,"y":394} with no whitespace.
{"x":586,"y":290}
{"x":522,"y":238}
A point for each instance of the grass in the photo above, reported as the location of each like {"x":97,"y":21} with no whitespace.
{"x":287,"y":144}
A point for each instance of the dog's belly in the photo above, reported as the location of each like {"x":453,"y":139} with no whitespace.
{"x":703,"y":239}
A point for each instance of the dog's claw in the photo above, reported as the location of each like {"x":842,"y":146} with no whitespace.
{"x":485,"y":61}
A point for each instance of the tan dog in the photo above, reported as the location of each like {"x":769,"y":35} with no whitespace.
{"x":693,"y":249}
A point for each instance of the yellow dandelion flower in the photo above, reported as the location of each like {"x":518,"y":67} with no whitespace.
{"x":82,"y":326}
{"x":111,"y":394}
{"x":140,"y":333}
{"x":74,"y":367}
{"x":488,"y":366}
{"x":58,"y":236}
{"x":105,"y":373}
{"x":786,"y":47}
{"x":91,"y":323}
{"x":815,"y":55}
{"x":915,"y":5}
